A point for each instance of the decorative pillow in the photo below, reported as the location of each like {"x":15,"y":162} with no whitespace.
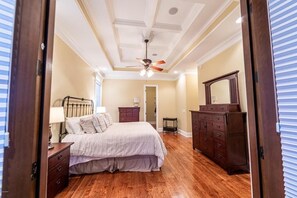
{"x":102,"y":124}
{"x":97,"y":125}
{"x":108,"y":119}
{"x":87,"y":125}
{"x":73,"y":125}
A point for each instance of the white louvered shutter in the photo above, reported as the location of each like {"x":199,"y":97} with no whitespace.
{"x":283,"y":23}
{"x":7,"y":10}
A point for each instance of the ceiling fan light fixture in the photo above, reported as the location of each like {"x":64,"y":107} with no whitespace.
{"x":142,"y":72}
{"x":150,"y":73}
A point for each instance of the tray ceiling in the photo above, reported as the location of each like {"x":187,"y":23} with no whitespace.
{"x":109,"y":34}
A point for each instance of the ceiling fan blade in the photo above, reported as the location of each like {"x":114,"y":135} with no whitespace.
{"x":140,"y":60}
{"x":160,"y":62}
{"x":156,"y":68}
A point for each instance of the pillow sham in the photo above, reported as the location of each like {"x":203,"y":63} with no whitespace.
{"x":97,"y":125}
{"x":87,"y":125}
{"x":72,"y":125}
{"x":108,"y":119}
{"x":102,"y":124}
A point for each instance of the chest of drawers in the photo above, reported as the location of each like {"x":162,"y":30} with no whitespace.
{"x":58,"y":168}
{"x":221,"y":136}
{"x":129,"y":114}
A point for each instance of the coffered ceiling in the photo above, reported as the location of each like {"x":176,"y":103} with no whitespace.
{"x":109,"y":34}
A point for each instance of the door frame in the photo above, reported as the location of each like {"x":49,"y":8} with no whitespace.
{"x":157,"y":102}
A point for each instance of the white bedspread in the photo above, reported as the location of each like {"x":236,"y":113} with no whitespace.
{"x":119,"y":140}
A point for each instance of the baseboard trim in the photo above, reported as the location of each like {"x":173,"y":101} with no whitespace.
{"x":185,"y":133}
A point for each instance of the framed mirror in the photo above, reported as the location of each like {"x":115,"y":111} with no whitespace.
{"x":223,"y":89}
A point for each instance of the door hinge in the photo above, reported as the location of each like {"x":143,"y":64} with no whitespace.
{"x":251,"y":7}
{"x":39,"y":68}
{"x":34,"y":171}
{"x":277,"y":126}
{"x":261,"y":152}
{"x":6,"y":139}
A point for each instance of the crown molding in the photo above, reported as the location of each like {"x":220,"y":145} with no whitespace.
{"x":220,"y":48}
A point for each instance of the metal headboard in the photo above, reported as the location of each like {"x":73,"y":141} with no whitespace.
{"x":75,"y":107}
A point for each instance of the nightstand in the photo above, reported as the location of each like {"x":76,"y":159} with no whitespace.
{"x":58,"y":168}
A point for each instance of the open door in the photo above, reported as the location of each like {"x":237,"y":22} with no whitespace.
{"x":25,"y":159}
{"x":150,"y":105}
{"x":265,"y":144}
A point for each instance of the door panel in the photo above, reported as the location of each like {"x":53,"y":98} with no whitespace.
{"x":267,"y":170}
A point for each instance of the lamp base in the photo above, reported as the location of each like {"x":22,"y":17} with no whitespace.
{"x":50,"y":146}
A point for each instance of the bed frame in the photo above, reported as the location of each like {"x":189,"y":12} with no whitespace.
{"x":75,"y":107}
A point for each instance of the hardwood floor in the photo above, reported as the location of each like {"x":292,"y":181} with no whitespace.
{"x":185,"y":173}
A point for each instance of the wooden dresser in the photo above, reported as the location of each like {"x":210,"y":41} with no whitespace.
{"x":219,"y":132}
{"x":129,"y":114}
{"x":58,"y":168}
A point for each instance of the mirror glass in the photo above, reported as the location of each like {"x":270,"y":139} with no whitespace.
{"x":220,"y":92}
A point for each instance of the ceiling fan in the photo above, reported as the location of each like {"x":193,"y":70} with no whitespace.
{"x":148,"y":64}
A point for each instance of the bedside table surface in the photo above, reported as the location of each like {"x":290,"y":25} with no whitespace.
{"x":58,"y":147}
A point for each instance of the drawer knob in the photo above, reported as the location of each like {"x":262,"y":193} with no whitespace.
{"x":60,"y":156}
{"x":59,"y":168}
{"x":58,"y":182}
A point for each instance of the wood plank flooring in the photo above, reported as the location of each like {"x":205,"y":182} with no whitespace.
{"x":185,"y":173}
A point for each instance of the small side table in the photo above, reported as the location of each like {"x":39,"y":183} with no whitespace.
{"x":170,"y":124}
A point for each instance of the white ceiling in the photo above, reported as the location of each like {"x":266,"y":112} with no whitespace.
{"x":109,"y":34}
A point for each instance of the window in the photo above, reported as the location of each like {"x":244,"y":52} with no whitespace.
{"x":283,"y":22}
{"x":98,"y":93}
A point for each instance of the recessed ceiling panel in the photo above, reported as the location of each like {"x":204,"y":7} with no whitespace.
{"x":129,"y":9}
{"x":173,"y":11}
{"x":130,"y":36}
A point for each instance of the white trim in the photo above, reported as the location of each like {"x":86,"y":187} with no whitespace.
{"x":160,"y":130}
{"x":184,"y":133}
{"x":157,"y":102}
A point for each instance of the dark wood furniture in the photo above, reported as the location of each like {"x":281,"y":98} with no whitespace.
{"x":170,"y":124}
{"x":219,"y":130}
{"x":129,"y":114}
{"x":58,"y":168}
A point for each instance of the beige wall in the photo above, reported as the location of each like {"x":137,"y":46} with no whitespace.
{"x":120,"y":93}
{"x":150,"y":103}
{"x":186,"y":99}
{"x":227,"y":61}
{"x":70,"y":76}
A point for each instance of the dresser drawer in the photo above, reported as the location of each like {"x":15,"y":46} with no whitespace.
{"x":59,"y":169}
{"x":218,"y":118}
{"x":220,"y":147}
{"x":220,"y":159}
{"x":57,"y":185}
{"x":219,"y":135}
{"x":58,"y":158}
{"x":219,"y":126}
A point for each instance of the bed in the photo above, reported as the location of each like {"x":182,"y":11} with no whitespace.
{"x":133,"y":146}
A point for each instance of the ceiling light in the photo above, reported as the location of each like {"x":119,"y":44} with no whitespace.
{"x":150,"y":73}
{"x":142,"y":72}
{"x":239,"y":20}
{"x":173,"y":11}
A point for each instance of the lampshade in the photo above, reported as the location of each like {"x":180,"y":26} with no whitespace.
{"x":136,"y":100}
{"x":150,"y":73}
{"x":101,"y":109}
{"x":142,"y":72}
{"x":56,"y":115}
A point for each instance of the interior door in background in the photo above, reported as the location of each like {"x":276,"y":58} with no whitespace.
{"x":151,"y":105}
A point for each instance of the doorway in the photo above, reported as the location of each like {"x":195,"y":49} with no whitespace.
{"x":151,"y":105}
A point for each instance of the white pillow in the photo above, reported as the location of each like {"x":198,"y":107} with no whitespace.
{"x":102,"y":124}
{"x":97,"y":125}
{"x":87,"y":125}
{"x":73,"y":125}
{"x":108,"y":119}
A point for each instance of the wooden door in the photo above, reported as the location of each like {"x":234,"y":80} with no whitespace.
{"x":266,"y":160}
{"x":28,"y":104}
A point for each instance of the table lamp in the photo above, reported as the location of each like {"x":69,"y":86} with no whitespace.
{"x":56,"y":116}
